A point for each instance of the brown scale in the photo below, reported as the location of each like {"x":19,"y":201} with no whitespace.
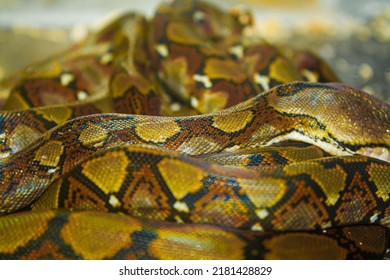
{"x":40,"y":93}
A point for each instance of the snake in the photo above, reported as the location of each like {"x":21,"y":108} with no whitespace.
{"x":187,"y":136}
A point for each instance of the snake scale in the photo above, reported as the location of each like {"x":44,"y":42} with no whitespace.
{"x":187,"y":137}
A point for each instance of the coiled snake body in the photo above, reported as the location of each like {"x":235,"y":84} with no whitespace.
{"x":183,"y":138}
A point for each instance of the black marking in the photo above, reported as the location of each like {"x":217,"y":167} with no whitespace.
{"x":291,"y":89}
{"x":139,"y":248}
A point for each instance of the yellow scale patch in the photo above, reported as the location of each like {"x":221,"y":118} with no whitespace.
{"x":225,"y":69}
{"x":157,"y":132}
{"x":95,"y":235}
{"x":233,"y":122}
{"x":52,"y":68}
{"x":22,"y":136}
{"x":175,"y":75}
{"x":58,"y":114}
{"x":49,"y":199}
{"x":380,"y":175}
{"x":106,"y":58}
{"x":17,"y":230}
{"x":310,"y":75}
{"x":198,"y":145}
{"x":212,"y":101}
{"x":16,"y":102}
{"x":93,"y":135}
{"x":299,"y":154}
{"x":123,"y":81}
{"x":108,"y":171}
{"x":331,"y":180}
{"x":104,"y":104}
{"x":196,"y":243}
{"x":50,"y":153}
{"x":183,"y":34}
{"x":181,"y":178}
{"x":262,"y":135}
{"x":282,"y":70}
{"x":265,"y":192}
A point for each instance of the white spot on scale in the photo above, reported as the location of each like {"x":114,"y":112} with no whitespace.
{"x":51,"y":170}
{"x":262,"y":213}
{"x":162,"y":50}
{"x":194,"y":102}
{"x":66,"y":79}
{"x":106,"y":58}
{"x":328,"y":225}
{"x":181,"y":206}
{"x":374,"y":217}
{"x":203,"y":79}
{"x":178,"y":220}
{"x":175,"y":107}
{"x":232,"y":149}
{"x":257,"y":227}
{"x":199,"y":16}
{"x":114,"y":201}
{"x":238,"y":51}
{"x":263,"y":81}
{"x":82,"y":95}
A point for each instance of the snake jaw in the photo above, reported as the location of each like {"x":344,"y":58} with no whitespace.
{"x":331,"y":147}
{"x":375,"y":152}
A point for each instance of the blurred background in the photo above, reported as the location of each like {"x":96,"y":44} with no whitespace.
{"x":353,"y":36}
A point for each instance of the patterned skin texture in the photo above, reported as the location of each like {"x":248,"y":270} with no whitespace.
{"x":183,"y":137}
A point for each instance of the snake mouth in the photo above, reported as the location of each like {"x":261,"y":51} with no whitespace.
{"x":381,"y":153}
{"x":331,"y":147}
{"x":334,"y":148}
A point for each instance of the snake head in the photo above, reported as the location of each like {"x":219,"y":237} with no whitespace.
{"x":339,"y":119}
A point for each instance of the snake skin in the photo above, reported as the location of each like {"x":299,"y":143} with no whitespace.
{"x":186,"y":137}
